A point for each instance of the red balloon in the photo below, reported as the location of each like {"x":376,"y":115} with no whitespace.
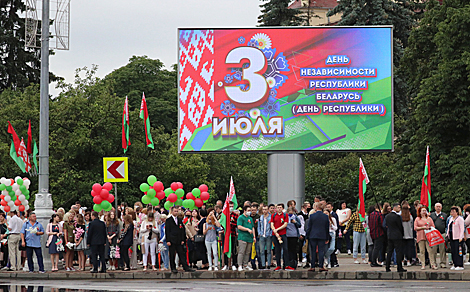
{"x":190,"y":196}
{"x":108,"y":186}
{"x":180,"y":185}
{"x":174,"y":186}
{"x":17,"y":202}
{"x":110,"y":198}
{"x":198,"y":202}
{"x":97,"y":200}
{"x":21,"y":208}
{"x":2,"y":197}
{"x":3,"y":203}
{"x":96,"y":188}
{"x":6,"y":208}
{"x":94,"y":194}
{"x":205,"y":196}
{"x":12,"y":181}
{"x":158,"y":186}
{"x":104,"y":194}
{"x":172,"y":197}
{"x":203,"y":188}
{"x":160,"y":195}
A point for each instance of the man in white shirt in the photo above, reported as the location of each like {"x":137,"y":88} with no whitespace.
{"x":14,"y":253}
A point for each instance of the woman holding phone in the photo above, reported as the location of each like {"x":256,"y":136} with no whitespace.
{"x":149,"y":231}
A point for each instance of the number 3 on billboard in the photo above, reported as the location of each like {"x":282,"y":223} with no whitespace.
{"x":258,"y":85}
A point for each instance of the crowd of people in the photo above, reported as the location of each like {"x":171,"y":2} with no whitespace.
{"x":261,"y":237}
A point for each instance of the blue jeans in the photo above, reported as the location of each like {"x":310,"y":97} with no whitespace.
{"x":29,"y":255}
{"x":165,"y":257}
{"x":265,"y":245}
{"x":359,"y":238}
{"x":331,"y":248}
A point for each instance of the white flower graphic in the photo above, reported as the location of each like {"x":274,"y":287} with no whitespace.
{"x":255,"y":113}
{"x":220,"y":83}
{"x":264,"y":41}
{"x":271,"y":82}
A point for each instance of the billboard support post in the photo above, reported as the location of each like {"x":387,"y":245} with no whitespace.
{"x":286,"y":178}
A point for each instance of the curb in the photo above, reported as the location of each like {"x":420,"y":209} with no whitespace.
{"x":251,"y":275}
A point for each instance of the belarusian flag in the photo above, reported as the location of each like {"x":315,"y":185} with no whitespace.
{"x":225,"y":218}
{"x":125,"y":127}
{"x":32,"y":147}
{"x":24,"y":156}
{"x":363,"y":181}
{"x":426,"y":183}
{"x":145,"y":116}
{"x":15,"y":147}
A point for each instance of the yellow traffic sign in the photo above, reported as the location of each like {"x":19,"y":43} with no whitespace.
{"x":115,"y":169}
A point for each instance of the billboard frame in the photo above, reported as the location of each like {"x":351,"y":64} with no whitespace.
{"x":392,"y":110}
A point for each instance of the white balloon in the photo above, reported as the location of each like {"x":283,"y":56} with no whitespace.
{"x":27,"y":183}
{"x":17,"y":178}
{"x":26,"y":208}
{"x":2,"y":180}
{"x":7,"y":198}
{"x":15,"y":187}
{"x":11,"y":204}
{"x":7,"y":182}
{"x":5,"y":193}
{"x":18,"y":193}
{"x":21,"y":198}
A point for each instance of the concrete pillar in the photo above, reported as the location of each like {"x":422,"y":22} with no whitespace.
{"x":286,"y":178}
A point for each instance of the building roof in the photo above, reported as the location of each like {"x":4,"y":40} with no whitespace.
{"x":315,"y":4}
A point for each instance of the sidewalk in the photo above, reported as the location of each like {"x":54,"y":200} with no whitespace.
{"x":346,"y":271}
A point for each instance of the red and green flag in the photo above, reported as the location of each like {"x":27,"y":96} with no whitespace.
{"x":144,"y":115}
{"x":363,"y":181}
{"x":32,"y":147}
{"x":426,"y":183}
{"x":225,"y":218}
{"x":15,"y":148}
{"x":126,"y":142}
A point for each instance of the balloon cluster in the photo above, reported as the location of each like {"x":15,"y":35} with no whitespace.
{"x":197,"y":197}
{"x":101,"y":197}
{"x":15,"y":194}
{"x":153,"y":191}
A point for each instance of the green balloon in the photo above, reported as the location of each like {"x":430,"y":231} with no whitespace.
{"x":186,"y":203}
{"x":151,"y":193}
{"x":146,"y":200}
{"x":151,"y":180}
{"x":179,"y":193}
{"x":179,"y":202}
{"x":26,"y":193}
{"x":13,"y":198}
{"x":20,"y":181}
{"x":97,"y":208}
{"x":3,"y":187}
{"x":154,"y":201}
{"x":23,"y":189}
{"x":196,"y":192}
{"x":11,"y":193}
{"x":26,"y":196}
{"x":144,"y":187}
{"x":168,"y":205}
{"x":106,"y":205}
{"x":191,"y":204}
{"x":168,"y":191}
{"x":9,"y":188}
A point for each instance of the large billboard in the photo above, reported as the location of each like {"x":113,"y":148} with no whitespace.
{"x":285,"y":89}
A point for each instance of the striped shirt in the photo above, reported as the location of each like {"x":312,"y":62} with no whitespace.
{"x":357,"y":224}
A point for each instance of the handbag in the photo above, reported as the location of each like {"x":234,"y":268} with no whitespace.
{"x":199,"y":238}
{"x":434,"y":237}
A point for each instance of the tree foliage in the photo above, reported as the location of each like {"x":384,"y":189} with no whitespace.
{"x":277,"y":13}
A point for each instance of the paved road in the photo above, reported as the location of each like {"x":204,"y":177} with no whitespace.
{"x":227,"y":286}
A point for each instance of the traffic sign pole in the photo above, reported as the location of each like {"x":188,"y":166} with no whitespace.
{"x":116,"y":198}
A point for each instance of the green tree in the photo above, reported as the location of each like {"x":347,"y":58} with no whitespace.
{"x":143,"y":74}
{"x":19,"y":66}
{"x":277,"y":13}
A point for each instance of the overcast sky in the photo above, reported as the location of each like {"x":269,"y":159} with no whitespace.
{"x":108,"y":32}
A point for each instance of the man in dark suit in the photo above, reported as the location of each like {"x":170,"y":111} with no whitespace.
{"x":97,"y":241}
{"x":317,"y":232}
{"x":395,"y":237}
{"x":175,"y":233}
